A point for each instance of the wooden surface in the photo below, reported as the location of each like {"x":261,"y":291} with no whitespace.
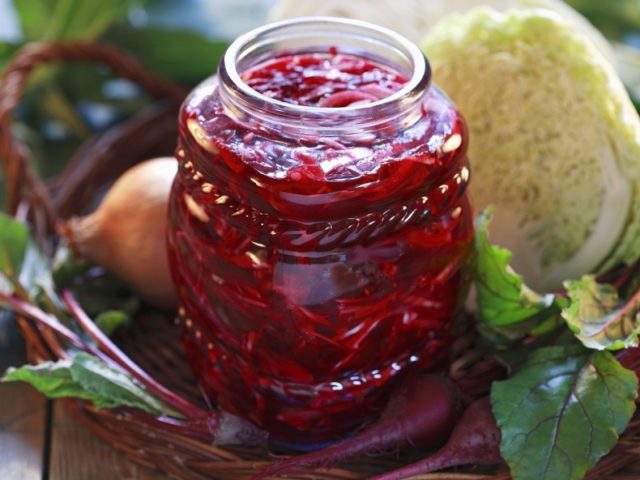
{"x":22,"y":421}
{"x":41,"y":440}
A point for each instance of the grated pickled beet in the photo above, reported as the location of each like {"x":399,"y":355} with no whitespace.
{"x":315,"y":272}
{"x":324,"y":80}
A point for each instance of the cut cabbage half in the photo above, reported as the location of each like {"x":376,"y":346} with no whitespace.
{"x":554,"y":139}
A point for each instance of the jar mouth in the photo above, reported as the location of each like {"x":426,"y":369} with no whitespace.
{"x":319,"y":35}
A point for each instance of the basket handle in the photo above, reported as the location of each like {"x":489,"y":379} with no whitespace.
{"x":21,"y":179}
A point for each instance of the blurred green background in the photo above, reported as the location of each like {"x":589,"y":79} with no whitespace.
{"x":182,"y":40}
{"x":179,"y":39}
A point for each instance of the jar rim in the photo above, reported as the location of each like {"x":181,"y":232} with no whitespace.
{"x":249,"y":100}
{"x":420,"y":64}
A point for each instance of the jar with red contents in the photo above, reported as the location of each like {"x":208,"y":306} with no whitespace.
{"x":318,"y":225}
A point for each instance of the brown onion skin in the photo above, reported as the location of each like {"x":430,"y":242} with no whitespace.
{"x":126,"y":234}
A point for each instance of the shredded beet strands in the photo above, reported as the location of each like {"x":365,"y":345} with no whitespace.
{"x":313,"y":273}
{"x":323,"y":79}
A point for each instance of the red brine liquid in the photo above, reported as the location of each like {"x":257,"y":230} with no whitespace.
{"x":315,"y":271}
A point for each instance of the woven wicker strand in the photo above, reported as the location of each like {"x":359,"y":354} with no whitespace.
{"x":151,"y":342}
{"x":18,"y":170}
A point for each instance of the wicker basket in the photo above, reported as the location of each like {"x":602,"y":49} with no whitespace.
{"x":151,"y":342}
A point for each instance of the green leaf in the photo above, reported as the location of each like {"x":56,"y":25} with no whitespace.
{"x":35,"y":272}
{"x":503,"y":298}
{"x":506,"y":306}
{"x":52,"y":379}
{"x":36,"y":283}
{"x":6,"y":52}
{"x":111,"y":320}
{"x":69,"y":19}
{"x":112,"y":388}
{"x":163,"y":51}
{"x":88,"y":378}
{"x":34,"y":16}
{"x":562,"y":411}
{"x":596,"y":317}
{"x":516,"y":355}
{"x":14,"y":237}
{"x":614,"y":19}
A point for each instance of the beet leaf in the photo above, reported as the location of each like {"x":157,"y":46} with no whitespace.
{"x":562,"y":411}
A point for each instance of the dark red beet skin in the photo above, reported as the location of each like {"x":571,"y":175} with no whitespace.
{"x":313,"y":273}
{"x":474,"y":441}
{"x":421,"y":412}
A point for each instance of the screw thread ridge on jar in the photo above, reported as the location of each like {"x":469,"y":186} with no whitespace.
{"x":321,"y":234}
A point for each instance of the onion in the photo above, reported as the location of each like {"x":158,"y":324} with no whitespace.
{"x":126,"y":234}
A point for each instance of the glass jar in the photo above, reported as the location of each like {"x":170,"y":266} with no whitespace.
{"x":318,"y":225}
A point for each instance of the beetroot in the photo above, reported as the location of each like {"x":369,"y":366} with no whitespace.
{"x":475,"y":440}
{"x":422,"y":412}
